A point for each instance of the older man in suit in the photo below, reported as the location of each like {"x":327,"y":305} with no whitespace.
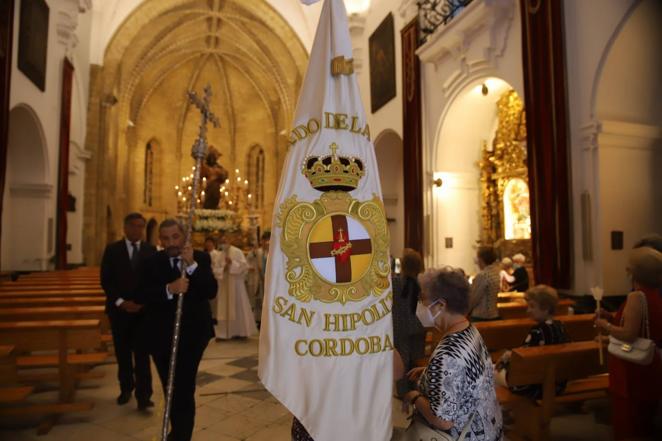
{"x":178,"y":270}
{"x":120,"y":268}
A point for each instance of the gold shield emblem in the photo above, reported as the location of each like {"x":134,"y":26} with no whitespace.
{"x":336,"y":248}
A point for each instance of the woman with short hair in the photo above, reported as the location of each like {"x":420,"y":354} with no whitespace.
{"x":456,"y":390}
{"x":636,"y":390}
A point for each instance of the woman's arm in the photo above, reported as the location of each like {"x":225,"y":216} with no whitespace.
{"x":632,"y":317}
{"x":422,"y":404}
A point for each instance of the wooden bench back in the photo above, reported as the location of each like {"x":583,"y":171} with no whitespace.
{"x":19,"y":302}
{"x":511,"y":310}
{"x":568,"y":361}
{"x":46,"y":335}
{"x":56,"y":292}
{"x":56,"y":313}
{"x":508,"y":334}
{"x":47,"y":286}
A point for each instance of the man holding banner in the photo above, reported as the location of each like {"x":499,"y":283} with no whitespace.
{"x":326,"y":344}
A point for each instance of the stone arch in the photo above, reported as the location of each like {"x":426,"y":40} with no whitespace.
{"x":389,"y":152}
{"x":605,"y":54}
{"x":617,"y":96}
{"x":27,"y":191}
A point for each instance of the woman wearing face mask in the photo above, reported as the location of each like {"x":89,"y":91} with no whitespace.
{"x":455,"y":392}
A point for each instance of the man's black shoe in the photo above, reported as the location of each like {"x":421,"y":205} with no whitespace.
{"x":124,"y":398}
{"x":144,"y":405}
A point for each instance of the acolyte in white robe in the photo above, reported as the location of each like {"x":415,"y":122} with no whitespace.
{"x":233,"y":310}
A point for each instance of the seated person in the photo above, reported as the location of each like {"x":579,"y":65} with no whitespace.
{"x":541,"y":301}
{"x":506,"y":274}
{"x":521,"y":283}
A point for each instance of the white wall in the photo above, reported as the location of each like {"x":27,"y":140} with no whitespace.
{"x":614,"y":99}
{"x":388,"y":149}
{"x":67,"y":27}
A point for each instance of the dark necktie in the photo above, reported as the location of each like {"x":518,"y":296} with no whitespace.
{"x":175,"y":264}
{"x":134,"y":255}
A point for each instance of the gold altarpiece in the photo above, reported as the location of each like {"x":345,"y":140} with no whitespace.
{"x":505,"y":212}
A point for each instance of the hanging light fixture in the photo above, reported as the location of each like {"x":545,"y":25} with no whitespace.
{"x":357,"y":6}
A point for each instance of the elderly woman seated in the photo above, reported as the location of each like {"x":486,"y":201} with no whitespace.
{"x":455,"y":392}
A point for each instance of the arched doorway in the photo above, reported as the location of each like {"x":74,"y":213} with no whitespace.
{"x":480,"y":151}
{"x":27,"y":222}
{"x":388,"y":150}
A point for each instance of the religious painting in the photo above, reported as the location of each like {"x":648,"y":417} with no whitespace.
{"x":382,"y":64}
{"x":33,"y":41}
{"x":516,"y":211}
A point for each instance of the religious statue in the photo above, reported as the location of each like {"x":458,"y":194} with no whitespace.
{"x":215,"y":176}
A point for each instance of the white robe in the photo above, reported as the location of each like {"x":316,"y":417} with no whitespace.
{"x":255,"y":280}
{"x":233,"y":310}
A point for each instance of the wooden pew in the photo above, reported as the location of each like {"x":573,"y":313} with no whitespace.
{"x":577,"y":363}
{"x":10,"y":391}
{"x":511,"y":310}
{"x":20,"y":302}
{"x":74,"y":350}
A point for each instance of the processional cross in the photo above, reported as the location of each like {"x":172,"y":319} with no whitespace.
{"x":198,"y":152}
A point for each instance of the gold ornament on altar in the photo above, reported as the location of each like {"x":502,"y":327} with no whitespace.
{"x":232,"y":199}
{"x":505,"y":212}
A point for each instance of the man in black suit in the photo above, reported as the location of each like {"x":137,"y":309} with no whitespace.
{"x":161,"y":281}
{"x":120,"y":269}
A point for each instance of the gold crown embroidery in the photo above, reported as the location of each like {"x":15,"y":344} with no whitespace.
{"x":333,"y":172}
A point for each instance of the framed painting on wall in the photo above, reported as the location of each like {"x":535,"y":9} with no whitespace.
{"x":382,"y":64}
{"x":33,"y":41}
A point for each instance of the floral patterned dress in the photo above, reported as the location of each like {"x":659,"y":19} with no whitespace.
{"x":459,"y":383}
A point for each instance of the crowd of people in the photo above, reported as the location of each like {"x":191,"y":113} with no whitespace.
{"x":454,"y":393}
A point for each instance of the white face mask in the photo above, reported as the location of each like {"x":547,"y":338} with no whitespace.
{"x":425,"y":315}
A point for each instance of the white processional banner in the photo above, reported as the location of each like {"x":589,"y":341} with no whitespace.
{"x":326,"y":341}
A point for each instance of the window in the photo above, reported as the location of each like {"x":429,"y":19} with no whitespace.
{"x":149,"y":173}
{"x":255,"y":161}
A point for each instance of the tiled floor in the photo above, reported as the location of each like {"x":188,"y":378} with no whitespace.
{"x":232,"y":406}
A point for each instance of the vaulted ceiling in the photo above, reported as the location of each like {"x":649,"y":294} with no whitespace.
{"x":245,"y":50}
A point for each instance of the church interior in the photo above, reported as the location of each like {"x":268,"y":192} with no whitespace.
{"x":529,"y":127}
